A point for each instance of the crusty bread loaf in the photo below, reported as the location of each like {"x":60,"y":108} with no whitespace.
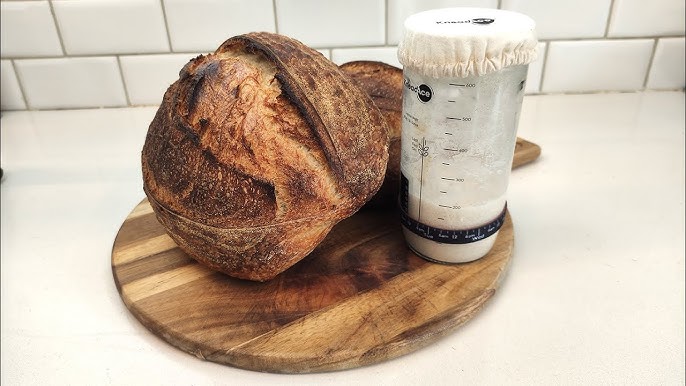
{"x":257,"y":151}
{"x":384,"y":84}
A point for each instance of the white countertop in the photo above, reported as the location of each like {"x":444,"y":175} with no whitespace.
{"x":594,"y":295}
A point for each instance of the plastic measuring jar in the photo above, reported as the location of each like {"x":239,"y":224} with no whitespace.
{"x":464,"y":74}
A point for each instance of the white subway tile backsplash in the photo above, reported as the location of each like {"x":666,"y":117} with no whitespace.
{"x":111,"y":26}
{"x":333,"y":23}
{"x":71,"y":82}
{"x":202,"y":25}
{"x":147,"y":77}
{"x":399,"y":10}
{"x":647,"y":18}
{"x":88,"y":53}
{"x":27,"y":29}
{"x":533,"y":77}
{"x":564,"y":19}
{"x":387,"y":55}
{"x":596,"y":65}
{"x":667,"y":71}
{"x":11,"y":97}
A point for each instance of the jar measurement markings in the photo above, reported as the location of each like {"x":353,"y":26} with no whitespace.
{"x":452,"y":236}
{"x":469,"y":114}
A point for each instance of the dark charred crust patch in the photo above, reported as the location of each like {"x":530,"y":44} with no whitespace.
{"x":196,"y":91}
{"x":188,"y":132}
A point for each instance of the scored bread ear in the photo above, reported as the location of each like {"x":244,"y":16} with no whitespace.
{"x":257,"y":151}
{"x":305,"y":75}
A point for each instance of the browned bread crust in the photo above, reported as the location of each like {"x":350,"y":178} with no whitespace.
{"x":384,"y":83}
{"x":257,"y":151}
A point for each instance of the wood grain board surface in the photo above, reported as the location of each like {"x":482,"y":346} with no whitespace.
{"x":525,"y":152}
{"x":359,"y":298}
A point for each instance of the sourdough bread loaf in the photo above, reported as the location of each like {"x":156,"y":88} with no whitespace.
{"x":257,"y":151}
{"x":384,"y":84}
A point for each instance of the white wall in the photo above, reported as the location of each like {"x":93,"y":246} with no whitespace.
{"x":95,"y":53}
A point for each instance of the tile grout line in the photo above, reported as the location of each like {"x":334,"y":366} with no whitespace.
{"x":386,"y":24}
{"x":276,"y":19}
{"x":190,"y":52}
{"x":535,"y":94}
{"x":544,"y":66}
{"x":650,"y":65}
{"x":123,"y":82}
{"x":57,"y":28}
{"x":166,"y":26}
{"x":21,"y":86}
{"x":609,"y":18}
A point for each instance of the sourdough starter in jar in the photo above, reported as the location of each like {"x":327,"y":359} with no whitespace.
{"x":464,"y":77}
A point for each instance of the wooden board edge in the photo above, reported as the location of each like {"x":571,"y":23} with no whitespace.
{"x":444,"y":323}
{"x":525,"y":152}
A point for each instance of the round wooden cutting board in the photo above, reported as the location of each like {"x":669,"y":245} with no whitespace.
{"x":360,"y":297}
